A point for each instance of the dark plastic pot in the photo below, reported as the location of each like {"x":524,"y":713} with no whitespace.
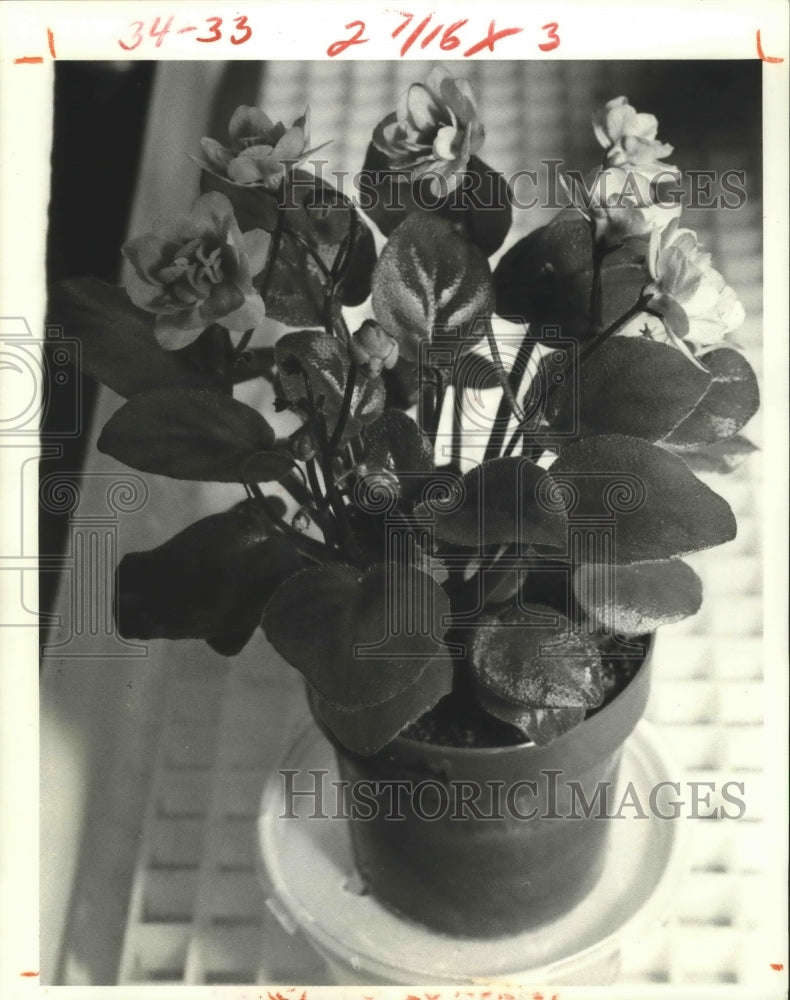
{"x":534,"y":846}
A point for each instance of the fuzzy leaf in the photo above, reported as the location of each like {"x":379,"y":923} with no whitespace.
{"x":326,"y":363}
{"x":315,"y":213}
{"x":378,"y":629}
{"x":210,"y":581}
{"x":501,"y":501}
{"x":254,"y":206}
{"x":194,"y":434}
{"x":532,"y":671}
{"x":541,"y":725}
{"x":430,"y":282}
{"x":115,"y":340}
{"x":636,"y":599}
{"x":480,"y":204}
{"x":723,"y":457}
{"x":732,"y":399}
{"x":546,"y":277}
{"x":660,"y":509}
{"x":369,"y":729}
{"x":631,"y":385}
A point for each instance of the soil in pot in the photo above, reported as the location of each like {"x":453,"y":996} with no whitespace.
{"x":465,"y":828}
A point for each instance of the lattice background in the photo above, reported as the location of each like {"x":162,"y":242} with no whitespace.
{"x":196,"y":913}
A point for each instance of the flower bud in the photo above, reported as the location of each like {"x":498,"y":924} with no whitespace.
{"x":301,"y":520}
{"x":303,"y":444}
{"x":372,"y":349}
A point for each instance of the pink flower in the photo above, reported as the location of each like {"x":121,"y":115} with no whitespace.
{"x":260,"y":149}
{"x":373,"y":349}
{"x":698,"y":308}
{"x":629,"y":139}
{"x":197,"y":269}
{"x":620,"y":204}
{"x":434,"y":130}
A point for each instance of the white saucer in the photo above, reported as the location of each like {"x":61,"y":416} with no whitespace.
{"x":309,"y":876}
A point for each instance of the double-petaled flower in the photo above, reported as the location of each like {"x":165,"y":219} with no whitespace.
{"x":372,"y":349}
{"x":620,"y":204}
{"x":629,"y":138}
{"x":197,"y":269}
{"x":434,"y":130}
{"x":698,"y":308}
{"x":260,"y":150}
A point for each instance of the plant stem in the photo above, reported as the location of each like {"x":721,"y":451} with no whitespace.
{"x":241,"y":347}
{"x":502,"y":419}
{"x":502,"y":375}
{"x":456,"y":434}
{"x":345,"y":409}
{"x":297,"y":489}
{"x":274,"y":251}
{"x":511,"y":445}
{"x":309,"y":547}
{"x":598,"y":254}
{"x":310,"y":251}
{"x":439,"y":393}
{"x":639,"y":306}
{"x":343,"y":254}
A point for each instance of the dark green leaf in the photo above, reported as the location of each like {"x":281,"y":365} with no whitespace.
{"x":377,"y":629}
{"x":115,"y":340}
{"x":480,"y":204}
{"x":369,"y":729}
{"x":354,"y":286}
{"x":326,"y":363}
{"x":722,"y":457}
{"x":193,"y":434}
{"x":731,"y":400}
{"x":658,"y":508}
{"x":636,"y":599}
{"x":532,"y":671}
{"x":431,"y":283}
{"x":502,"y":501}
{"x":210,"y":581}
{"x":546,"y":277}
{"x":541,"y":725}
{"x":254,"y":206}
{"x":212,"y":353}
{"x":313,"y":212}
{"x":402,"y":384}
{"x":630,"y":385}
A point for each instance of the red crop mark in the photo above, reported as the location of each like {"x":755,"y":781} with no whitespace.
{"x":554,"y":38}
{"x":51,"y":44}
{"x":336,"y":48}
{"x":777,"y":966}
{"x":29,"y":975}
{"x":492,"y":36}
{"x":28,"y":61}
{"x":762,"y":55}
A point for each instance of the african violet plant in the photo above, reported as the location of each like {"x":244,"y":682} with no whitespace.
{"x":389,"y":552}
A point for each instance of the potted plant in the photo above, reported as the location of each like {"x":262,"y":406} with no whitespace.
{"x":470,"y":595}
